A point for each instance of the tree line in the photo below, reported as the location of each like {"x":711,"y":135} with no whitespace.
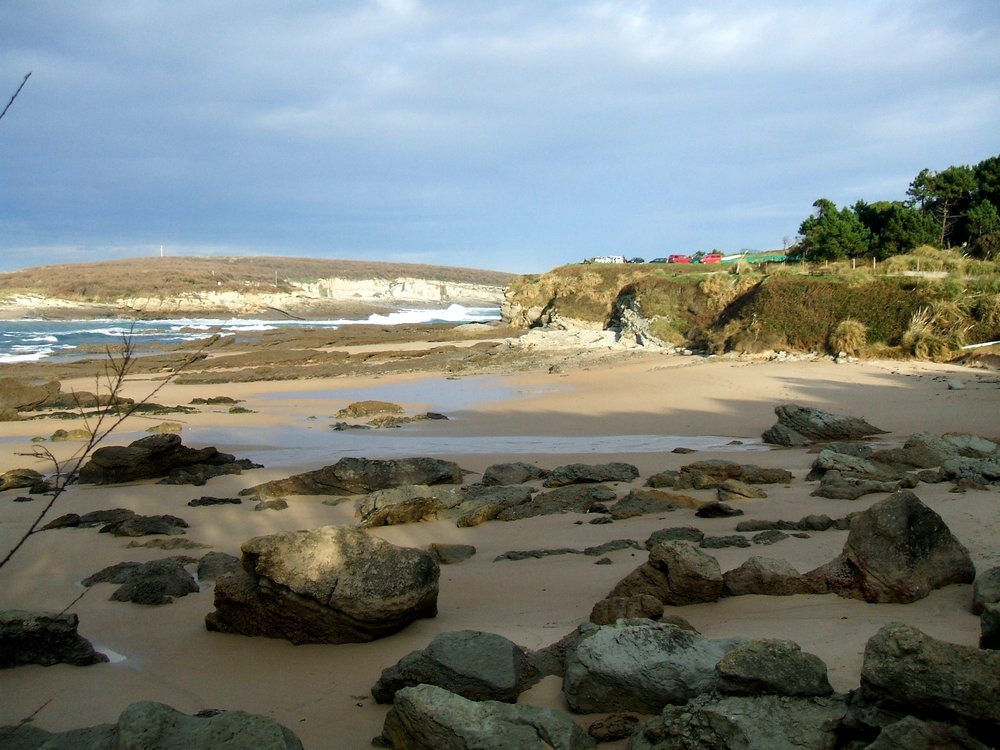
{"x":956,"y":207}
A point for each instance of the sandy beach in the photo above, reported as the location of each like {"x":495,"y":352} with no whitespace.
{"x":635,"y":409}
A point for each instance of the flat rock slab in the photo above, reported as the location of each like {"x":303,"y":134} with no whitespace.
{"x":359,"y":476}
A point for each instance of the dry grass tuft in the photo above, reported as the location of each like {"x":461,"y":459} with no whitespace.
{"x":850,"y":337}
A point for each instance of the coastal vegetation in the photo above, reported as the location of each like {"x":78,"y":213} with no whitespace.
{"x":956,"y":207}
{"x":926,"y":304}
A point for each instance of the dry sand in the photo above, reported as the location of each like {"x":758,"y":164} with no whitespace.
{"x":322,"y":692}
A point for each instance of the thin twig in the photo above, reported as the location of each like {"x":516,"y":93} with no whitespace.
{"x":115,"y":371}
{"x":26,"y":77}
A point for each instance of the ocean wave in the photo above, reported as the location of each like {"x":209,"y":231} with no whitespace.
{"x":30,"y":340}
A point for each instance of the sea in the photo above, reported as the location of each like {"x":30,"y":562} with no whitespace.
{"x":33,"y":340}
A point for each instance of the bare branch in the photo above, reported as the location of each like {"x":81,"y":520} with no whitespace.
{"x":26,"y":77}
{"x":109,"y":418}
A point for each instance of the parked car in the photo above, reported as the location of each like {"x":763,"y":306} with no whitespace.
{"x":658,"y":260}
{"x":711,"y":258}
{"x":679,"y":259}
{"x":636,"y":260}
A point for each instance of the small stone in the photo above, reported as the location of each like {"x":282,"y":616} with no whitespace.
{"x":277,"y":503}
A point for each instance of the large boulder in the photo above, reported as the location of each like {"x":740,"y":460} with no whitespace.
{"x":334,"y":584}
{"x":43,"y":638}
{"x":154,"y":725}
{"x":772,"y":667}
{"x":476,"y":665}
{"x":426,"y":717}
{"x":359,"y":476}
{"x":615,"y":471}
{"x":640,"y":665}
{"x":677,"y":573}
{"x":899,"y":550}
{"x":770,"y":722}
{"x":802,"y":425}
{"x":906,"y":672}
{"x":150,"y":458}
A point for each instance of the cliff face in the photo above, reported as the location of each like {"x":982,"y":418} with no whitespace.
{"x":242,"y":286}
{"x":720,"y":311}
{"x":330,"y":297}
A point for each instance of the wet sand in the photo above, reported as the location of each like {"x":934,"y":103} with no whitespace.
{"x":588,"y":413}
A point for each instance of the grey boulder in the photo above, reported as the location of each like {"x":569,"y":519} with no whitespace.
{"x":898,"y":551}
{"x":772,"y":667}
{"x":146,"y":725}
{"x":906,"y":672}
{"x":476,"y":665}
{"x":640,"y":665}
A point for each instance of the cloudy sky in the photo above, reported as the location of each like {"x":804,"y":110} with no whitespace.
{"x":507,"y":135}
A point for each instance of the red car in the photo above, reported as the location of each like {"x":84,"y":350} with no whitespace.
{"x":712,"y":258}
{"x":679,"y":259}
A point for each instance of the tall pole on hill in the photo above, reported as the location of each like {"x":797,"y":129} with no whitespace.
{"x":26,"y":77}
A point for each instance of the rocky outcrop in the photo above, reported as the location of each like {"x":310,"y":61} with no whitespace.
{"x":334,"y":584}
{"x":426,"y":717}
{"x":358,"y":476}
{"x":154,"y":457}
{"x":43,"y":638}
{"x":476,"y":665}
{"x":899,"y":550}
{"x":802,"y":425}
{"x":149,"y":725}
{"x":677,"y":573}
{"x":906,"y":672}
{"x":639,"y":665}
